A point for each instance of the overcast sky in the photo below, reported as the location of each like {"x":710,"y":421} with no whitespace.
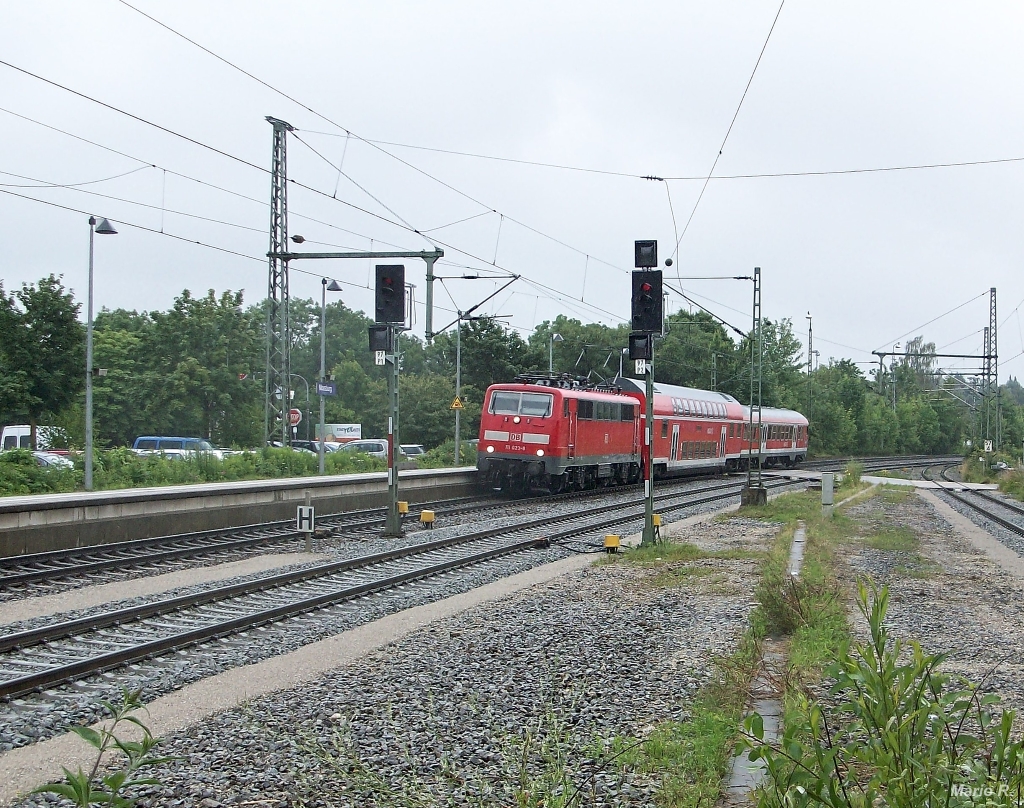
{"x":638,"y":88}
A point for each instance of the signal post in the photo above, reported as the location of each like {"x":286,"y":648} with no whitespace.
{"x":647,"y":306}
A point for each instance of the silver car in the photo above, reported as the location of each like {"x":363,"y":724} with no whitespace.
{"x":375,"y":448}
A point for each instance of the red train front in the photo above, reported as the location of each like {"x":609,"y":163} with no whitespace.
{"x":553,"y":435}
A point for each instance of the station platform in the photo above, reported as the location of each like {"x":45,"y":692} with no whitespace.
{"x":45,"y":522}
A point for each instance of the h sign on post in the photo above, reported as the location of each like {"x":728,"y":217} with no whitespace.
{"x":304,"y":518}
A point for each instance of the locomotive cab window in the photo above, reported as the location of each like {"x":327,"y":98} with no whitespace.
{"x":536,"y":405}
{"x":664,"y":429}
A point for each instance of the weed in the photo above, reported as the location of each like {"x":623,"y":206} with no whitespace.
{"x":894,"y":539}
{"x":896,"y":494}
{"x":852,"y":474}
{"x":903,"y":740}
{"x":90,"y":789}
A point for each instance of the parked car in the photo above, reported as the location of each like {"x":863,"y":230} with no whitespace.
{"x":17,"y":437}
{"x":175,"y":447}
{"x":53,"y":461}
{"x":314,"y":446}
{"x":412,"y":450}
{"x":376,"y":448}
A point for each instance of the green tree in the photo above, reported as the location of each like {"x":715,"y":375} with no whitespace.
{"x":43,"y":354}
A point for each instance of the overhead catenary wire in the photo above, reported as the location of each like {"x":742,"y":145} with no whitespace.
{"x":349,"y":132}
{"x":732,"y":123}
{"x":71,"y":185}
{"x":267,"y":171}
{"x":137,"y":226}
{"x":828,"y":172}
{"x":888,"y":342}
{"x":57,"y":186}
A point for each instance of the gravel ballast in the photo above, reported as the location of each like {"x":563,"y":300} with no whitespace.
{"x":460,"y":711}
{"x":950,"y":595}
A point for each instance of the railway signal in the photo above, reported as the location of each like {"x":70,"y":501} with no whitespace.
{"x":647,"y":320}
{"x":647,"y":301}
{"x":389,"y":300}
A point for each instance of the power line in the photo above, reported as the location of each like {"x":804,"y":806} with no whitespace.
{"x":72,"y":185}
{"x":137,"y":226}
{"x":127,"y":201}
{"x":944,"y":314}
{"x":267,"y":171}
{"x":349,"y":132}
{"x":675,"y":252}
{"x":686,"y":178}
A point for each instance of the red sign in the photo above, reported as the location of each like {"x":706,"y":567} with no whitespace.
{"x":294,"y":417}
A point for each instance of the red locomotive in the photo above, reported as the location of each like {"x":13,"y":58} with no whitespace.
{"x":554,"y":434}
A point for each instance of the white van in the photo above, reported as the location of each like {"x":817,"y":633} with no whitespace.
{"x":17,"y":437}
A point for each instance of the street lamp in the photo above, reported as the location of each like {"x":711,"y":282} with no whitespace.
{"x":104,"y":229}
{"x":324,"y":287}
{"x":551,"y":351}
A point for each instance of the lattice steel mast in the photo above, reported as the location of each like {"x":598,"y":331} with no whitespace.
{"x":277,"y":400}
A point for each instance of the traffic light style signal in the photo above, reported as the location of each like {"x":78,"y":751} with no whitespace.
{"x":380,"y":339}
{"x":641,"y":346}
{"x":647,"y":301}
{"x":389,"y":302}
{"x":646,"y":254}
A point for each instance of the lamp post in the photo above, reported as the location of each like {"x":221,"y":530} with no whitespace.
{"x":551,"y":351}
{"x":104,"y":229}
{"x":324,"y":287}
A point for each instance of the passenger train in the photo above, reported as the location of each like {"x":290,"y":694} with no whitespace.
{"x":556,"y":434}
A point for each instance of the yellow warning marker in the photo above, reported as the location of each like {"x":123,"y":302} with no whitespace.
{"x":612,"y":543}
{"x":656,"y":522}
{"x":403,"y":508}
{"x":457,"y":404}
{"x":427,"y":519}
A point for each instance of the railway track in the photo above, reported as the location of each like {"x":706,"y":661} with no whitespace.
{"x":70,"y":650}
{"x":988,"y":510}
{"x":104,"y":563}
{"x":89,"y":562}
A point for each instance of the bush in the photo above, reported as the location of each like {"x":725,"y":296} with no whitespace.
{"x":20,"y":473}
{"x":443,"y":456}
{"x":852,"y":474}
{"x":909,"y":735}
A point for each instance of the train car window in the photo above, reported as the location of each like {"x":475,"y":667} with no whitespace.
{"x":731,"y":430}
{"x":537,"y":405}
{"x":565,"y":407}
{"x":585,"y":410}
{"x":627,"y":412}
{"x":664,"y":428}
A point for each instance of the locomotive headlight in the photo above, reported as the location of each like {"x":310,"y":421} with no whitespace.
{"x":490,"y":450}
{"x":540,"y":453}
{"x":516,"y":420}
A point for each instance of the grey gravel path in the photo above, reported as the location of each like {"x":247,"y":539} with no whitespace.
{"x":953,"y":598}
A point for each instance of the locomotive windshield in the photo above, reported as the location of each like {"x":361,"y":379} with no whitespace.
{"x":537,"y":405}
